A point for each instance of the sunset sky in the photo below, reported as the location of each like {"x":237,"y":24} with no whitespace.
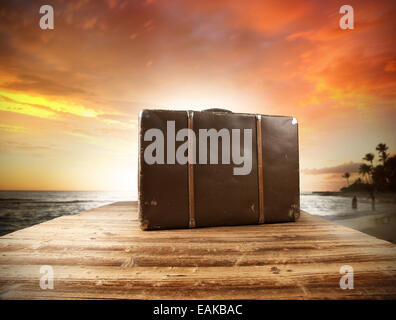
{"x":70,"y":97}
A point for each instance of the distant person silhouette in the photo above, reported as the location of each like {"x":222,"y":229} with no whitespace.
{"x":354,"y":202}
{"x":372,"y":196}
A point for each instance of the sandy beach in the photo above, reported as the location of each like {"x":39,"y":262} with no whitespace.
{"x":382,"y":226}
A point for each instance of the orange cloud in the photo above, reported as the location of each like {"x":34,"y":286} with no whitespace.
{"x":85,"y":82}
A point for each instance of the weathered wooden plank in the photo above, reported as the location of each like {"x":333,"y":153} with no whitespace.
{"x":102,"y":253}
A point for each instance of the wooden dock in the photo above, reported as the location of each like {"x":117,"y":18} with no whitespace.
{"x":102,"y":254}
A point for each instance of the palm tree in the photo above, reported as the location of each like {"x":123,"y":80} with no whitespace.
{"x":346,"y":175}
{"x":369,"y":157}
{"x":365,"y":170}
{"x":382,"y":148}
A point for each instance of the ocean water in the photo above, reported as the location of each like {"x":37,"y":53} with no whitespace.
{"x":21,"y":209}
{"x":338,"y":206}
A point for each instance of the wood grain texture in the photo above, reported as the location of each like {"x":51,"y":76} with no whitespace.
{"x":103,"y":254}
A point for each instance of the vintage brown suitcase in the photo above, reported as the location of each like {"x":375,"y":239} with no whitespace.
{"x":181,"y":186}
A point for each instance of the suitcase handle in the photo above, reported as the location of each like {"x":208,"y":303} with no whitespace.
{"x":218,"y":110}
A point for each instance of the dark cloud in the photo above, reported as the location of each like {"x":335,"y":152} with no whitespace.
{"x":350,"y":167}
{"x":46,"y":86}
